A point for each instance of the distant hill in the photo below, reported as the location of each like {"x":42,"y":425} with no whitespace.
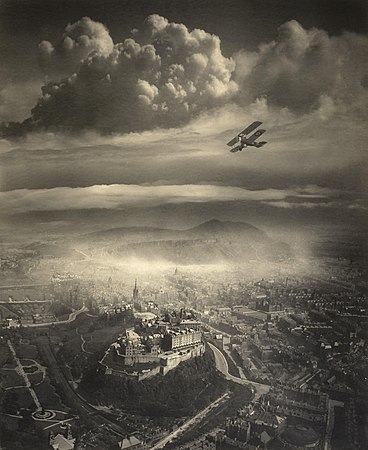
{"x":217,"y":229}
{"x":52,"y":250}
{"x":211,"y":228}
{"x":213,"y":241}
{"x":131,"y":234}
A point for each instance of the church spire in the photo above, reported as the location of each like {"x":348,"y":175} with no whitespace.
{"x":135,"y":290}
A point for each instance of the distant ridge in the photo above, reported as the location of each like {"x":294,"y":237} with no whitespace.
{"x":209,"y":242}
{"x":210,"y":226}
{"x":215,"y":226}
{"x":117,"y":230}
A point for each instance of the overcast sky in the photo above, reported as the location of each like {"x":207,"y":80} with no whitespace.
{"x":122,"y":109}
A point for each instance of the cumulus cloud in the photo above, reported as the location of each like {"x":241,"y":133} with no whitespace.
{"x":307,"y":69}
{"x":161,"y":76}
{"x":79,"y":40}
{"x":164,"y":75}
{"x":119,"y":196}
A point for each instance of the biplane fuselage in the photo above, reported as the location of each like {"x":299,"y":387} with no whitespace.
{"x":242,"y":140}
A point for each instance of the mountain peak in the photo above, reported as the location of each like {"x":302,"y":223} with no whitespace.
{"x":211,"y":241}
{"x":227,"y":226}
{"x":211,"y":222}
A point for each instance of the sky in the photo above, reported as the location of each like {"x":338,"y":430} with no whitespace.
{"x":117,"y":113}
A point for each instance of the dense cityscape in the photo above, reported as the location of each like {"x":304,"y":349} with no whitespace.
{"x":184,"y":359}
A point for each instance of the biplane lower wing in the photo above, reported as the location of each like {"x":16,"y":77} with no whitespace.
{"x":236,"y":149}
{"x":233,"y":141}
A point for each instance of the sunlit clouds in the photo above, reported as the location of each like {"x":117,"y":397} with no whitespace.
{"x":121,"y":196}
{"x":165,"y":74}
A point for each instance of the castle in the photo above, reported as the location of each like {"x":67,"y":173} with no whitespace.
{"x":155,"y":345}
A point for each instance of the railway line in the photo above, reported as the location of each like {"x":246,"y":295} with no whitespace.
{"x":70,"y":396}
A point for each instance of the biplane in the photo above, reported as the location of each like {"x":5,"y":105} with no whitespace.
{"x":242,"y":140}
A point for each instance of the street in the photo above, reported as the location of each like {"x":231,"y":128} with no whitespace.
{"x":190,"y":422}
{"x":221,"y":365}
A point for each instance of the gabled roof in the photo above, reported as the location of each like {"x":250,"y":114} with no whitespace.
{"x":265,"y":437}
{"x":62,"y":443}
{"x":129,"y":442}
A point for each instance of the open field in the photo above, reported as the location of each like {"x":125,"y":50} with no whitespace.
{"x":35,"y":378}
{"x":6,"y":359}
{"x":10,"y":378}
{"x":15,"y":399}
{"x":76,"y":342}
{"x":25,"y":351}
{"x":19,"y":393}
{"x":49,"y":399}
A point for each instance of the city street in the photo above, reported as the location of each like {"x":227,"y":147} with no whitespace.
{"x":222,"y":366}
{"x":191,"y":422}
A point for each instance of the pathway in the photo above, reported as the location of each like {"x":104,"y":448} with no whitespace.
{"x":24,"y":375}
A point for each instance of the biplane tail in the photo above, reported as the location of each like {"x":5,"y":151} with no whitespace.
{"x":260,"y":144}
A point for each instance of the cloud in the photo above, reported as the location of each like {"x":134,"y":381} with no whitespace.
{"x":306,"y":69}
{"x":161,"y":76}
{"x":78,"y":41}
{"x":119,"y":196}
{"x":300,"y":151}
{"x":165,"y":74}
{"x":362,"y":207}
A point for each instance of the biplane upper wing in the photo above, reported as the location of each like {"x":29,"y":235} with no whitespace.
{"x":246,"y":131}
{"x":250,"y":128}
{"x":254,"y":136}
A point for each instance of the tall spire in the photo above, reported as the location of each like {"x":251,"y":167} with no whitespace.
{"x":135,"y":290}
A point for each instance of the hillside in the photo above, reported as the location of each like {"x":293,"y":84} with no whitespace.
{"x":210,"y":242}
{"x":212,"y":228}
{"x":52,"y":250}
{"x":199,"y":381}
{"x":219,"y":229}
